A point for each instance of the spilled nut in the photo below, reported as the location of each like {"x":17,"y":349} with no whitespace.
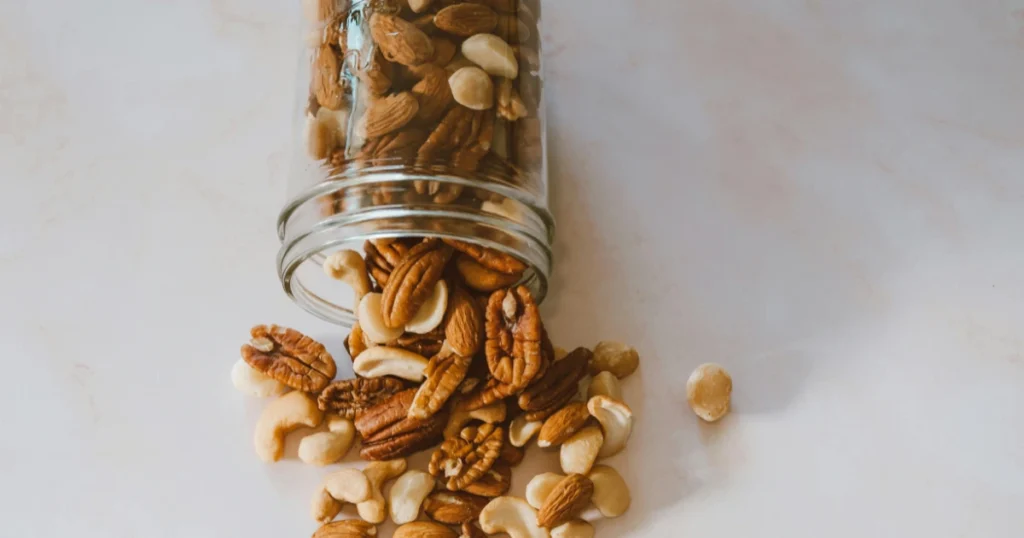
{"x":520,"y":431}
{"x":253,"y":382}
{"x":349,"y":267}
{"x":374,"y":508}
{"x":575,"y":528}
{"x":709,"y":391}
{"x":513,"y":516}
{"x":616,"y":420}
{"x":383,"y":360}
{"x":429,"y":316}
{"x":540,"y":487}
{"x":611,"y":493}
{"x":280,"y":417}
{"x":614,"y":357}
{"x":605,"y":384}
{"x":459,"y":417}
{"x":350,"y":485}
{"x":579,"y":452}
{"x":407,"y":495}
{"x":371,"y":320}
{"x":325,"y":448}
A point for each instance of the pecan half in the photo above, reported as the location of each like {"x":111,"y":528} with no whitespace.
{"x":464,"y":323}
{"x":412,"y":281}
{"x":467,"y":158}
{"x":470,"y":530}
{"x":289,"y":357}
{"x":348,"y":528}
{"x":494,"y":483}
{"x":356,"y":342}
{"x":444,"y":372}
{"x":465,"y":20}
{"x":450,"y":134}
{"x":545,"y":412}
{"x":463,"y":460}
{"x":382,"y":255}
{"x":428,"y":344}
{"x":561,"y":382}
{"x":485,"y":394}
{"x":349,"y":398}
{"x":389,"y":433}
{"x":479,"y":277}
{"x":513,"y":337}
{"x":489,"y":258}
{"x":453,"y":507}
{"x":569,"y":497}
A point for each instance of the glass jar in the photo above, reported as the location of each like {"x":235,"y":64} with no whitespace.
{"x":416,"y":118}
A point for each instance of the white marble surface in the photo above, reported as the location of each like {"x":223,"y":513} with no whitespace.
{"x":826,"y":196}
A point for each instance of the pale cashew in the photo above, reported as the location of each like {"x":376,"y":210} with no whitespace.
{"x":429,"y":316}
{"x":491,"y":414}
{"x":709,"y":391}
{"x":324,"y":508}
{"x":346,"y":485}
{"x":605,"y":384}
{"x":324,"y":448}
{"x":540,"y":486}
{"x":616,"y":420}
{"x":371,"y":320}
{"x":280,"y":417}
{"x":255,"y":383}
{"x":513,"y":516}
{"x":573,"y":529}
{"x":580,"y":451}
{"x":407,"y":495}
{"x":611,"y":493}
{"x":615,"y":357}
{"x":383,"y":360}
{"x":374,"y":509}
{"x":520,"y":431}
{"x":349,"y":266}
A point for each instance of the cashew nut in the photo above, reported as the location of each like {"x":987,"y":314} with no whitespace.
{"x":513,"y":516}
{"x":346,"y":485}
{"x":374,"y":509}
{"x":280,"y":417}
{"x":429,"y":316}
{"x":371,"y":320}
{"x":580,"y":451}
{"x":424,"y":529}
{"x":349,"y":266}
{"x":324,"y":448}
{"x":611,"y":493}
{"x":254,"y":382}
{"x":540,"y":487}
{"x":520,"y":431}
{"x":605,"y":384}
{"x":614,"y":357}
{"x":325,"y":508}
{"x":616,"y":420}
{"x":383,"y":360}
{"x":491,"y":414}
{"x":708,"y":391}
{"x":407,"y":495}
{"x":573,"y":529}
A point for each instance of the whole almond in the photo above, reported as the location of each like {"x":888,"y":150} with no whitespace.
{"x":570,"y":496}
{"x":390,"y":114}
{"x":433,"y":93}
{"x":419,"y":6}
{"x":326,"y":79}
{"x":444,"y":51}
{"x":349,"y":528}
{"x":563,"y":424}
{"x":472,"y":87}
{"x":466,"y":19}
{"x":400,"y":40}
{"x":492,"y":54}
{"x":424,"y":529}
{"x":464,"y":327}
{"x":453,"y":508}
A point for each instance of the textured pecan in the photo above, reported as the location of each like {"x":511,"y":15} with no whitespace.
{"x":428,"y":344}
{"x":466,"y":19}
{"x":463,"y":460}
{"x":449,"y":135}
{"x":444,"y":372}
{"x":569,"y":497}
{"x":453,"y":507}
{"x":513,"y":337}
{"x":400,"y":40}
{"x":485,"y":394}
{"x":382,"y":255}
{"x":327,"y":79}
{"x":464,"y":323}
{"x":511,"y":455}
{"x":390,"y":411}
{"x":560,"y":382}
{"x":289,"y":357}
{"x":356,"y":342}
{"x":467,"y":158}
{"x":494,"y":483}
{"x":545,"y":412}
{"x":389,"y":433}
{"x":480,"y":278}
{"x":349,"y":528}
{"x":397,"y":145}
{"x":489,"y":258}
{"x":412,"y":281}
{"x":349,"y":398}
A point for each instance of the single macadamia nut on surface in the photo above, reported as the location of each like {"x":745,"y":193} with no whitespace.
{"x":325,"y":448}
{"x":709,"y":391}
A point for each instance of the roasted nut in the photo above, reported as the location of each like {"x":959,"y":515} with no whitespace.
{"x":348,"y":485}
{"x":573,"y":529}
{"x":563,"y":424}
{"x":433,"y":94}
{"x":616,"y":420}
{"x":559,"y":384}
{"x":351,"y":397}
{"x":280,"y":417}
{"x":424,"y":529}
{"x":492,"y":54}
{"x":349,"y":528}
{"x":431,"y":313}
{"x":289,"y":357}
{"x":494,"y":483}
{"x":464,"y":326}
{"x":378,"y":74}
{"x":480,"y":278}
{"x":382,"y":255}
{"x":510,"y":105}
{"x":463,"y":460}
{"x":388,"y":432}
{"x":412,"y":282}
{"x":486,"y":394}
{"x":605,"y":384}
{"x":611,"y":493}
{"x":407,"y":494}
{"x":469,"y":530}
{"x":400,"y":40}
{"x":389,"y":114}
{"x":513,"y":344}
{"x":453,"y":507}
{"x":614,"y":357}
{"x":511,"y":455}
{"x":466,"y":19}
{"x":444,"y":372}
{"x":356,"y":342}
{"x":327,"y":79}
{"x":374,"y":510}
{"x":540,"y":487}
{"x":324,"y":448}
{"x":247,"y":379}
{"x":580,"y":451}
{"x":444,"y":51}
{"x":371,"y":320}
{"x":567,"y":498}
{"x":708,"y":391}
{"x":472,"y":87}
{"x":427,"y":345}
{"x":419,"y":6}
{"x":390,"y":361}
{"x":520,"y":431}
{"x":491,"y":414}
{"x":511,"y":515}
{"x":349,"y":266}
{"x":324,"y":507}
{"x":489,"y":258}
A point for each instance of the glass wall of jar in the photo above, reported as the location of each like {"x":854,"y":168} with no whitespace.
{"x":417,"y":118}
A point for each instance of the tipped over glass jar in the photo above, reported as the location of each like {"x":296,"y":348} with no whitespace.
{"x":422,"y":119}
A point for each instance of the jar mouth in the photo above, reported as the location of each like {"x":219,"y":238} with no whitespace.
{"x":388,"y":202}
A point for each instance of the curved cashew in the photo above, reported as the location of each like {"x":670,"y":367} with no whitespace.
{"x":383,"y":360}
{"x":616,"y":420}
{"x":374,"y":509}
{"x":540,"y":487}
{"x":429,"y":316}
{"x":491,"y":414}
{"x":513,"y":516}
{"x":573,"y":529}
{"x":371,"y":320}
{"x":349,"y":266}
{"x":611,"y":493}
{"x":407,"y":495}
{"x":324,"y":448}
{"x":346,"y":485}
{"x":325,"y":508}
{"x":615,"y":357}
{"x":605,"y":384}
{"x":254,"y":382}
{"x":280,"y":417}
{"x":520,"y":431}
{"x":580,"y":451}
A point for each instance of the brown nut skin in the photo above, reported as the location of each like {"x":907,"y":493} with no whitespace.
{"x":412,"y":282}
{"x":389,"y":433}
{"x":514,"y":329}
{"x":560,"y":382}
{"x":469,"y":530}
{"x":463,"y":460}
{"x":563,"y":424}
{"x":489,"y":258}
{"x":494,"y":483}
{"x":464,"y":323}
{"x":350,"y":397}
{"x":424,"y":529}
{"x":349,"y":528}
{"x":569,"y":497}
{"x":454,"y":507}
{"x":480,"y":278}
{"x":289,"y":357}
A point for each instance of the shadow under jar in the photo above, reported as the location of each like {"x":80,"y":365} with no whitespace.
{"x":422,"y":119}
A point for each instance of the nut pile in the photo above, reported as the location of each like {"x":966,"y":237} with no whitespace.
{"x":445,"y":87}
{"x":451,"y":359}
